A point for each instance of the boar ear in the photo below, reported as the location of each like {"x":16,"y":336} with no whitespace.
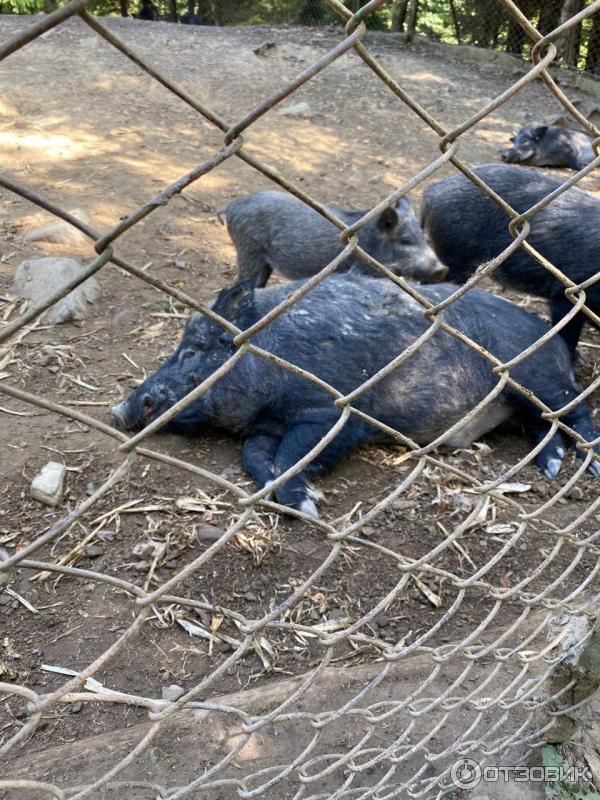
{"x":403,"y":204}
{"x":540,"y":132}
{"x":237,"y":304}
{"x":388,"y":219}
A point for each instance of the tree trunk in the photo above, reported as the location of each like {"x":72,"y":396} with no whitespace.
{"x":399,"y":10}
{"x":568,"y":47}
{"x":173,"y":14}
{"x":592,"y":62}
{"x":455,"y":21}
{"x":123,"y":8}
{"x":412,"y":20}
{"x":516,"y":35}
{"x":549,"y":16}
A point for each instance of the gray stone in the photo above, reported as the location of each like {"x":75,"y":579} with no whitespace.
{"x":172,"y":692}
{"x":48,"y":484}
{"x":297,"y":110}
{"x":38,"y":278}
{"x":61,"y":232}
{"x":209,"y":533}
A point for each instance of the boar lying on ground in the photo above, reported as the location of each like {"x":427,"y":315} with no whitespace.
{"x":549,"y":146}
{"x":345,"y":331}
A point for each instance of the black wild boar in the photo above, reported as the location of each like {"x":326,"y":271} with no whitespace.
{"x":344,"y":332}
{"x":549,"y":146}
{"x":467,"y":228}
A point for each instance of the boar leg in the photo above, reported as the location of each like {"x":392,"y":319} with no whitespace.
{"x":252,"y":264}
{"x":550,"y":457}
{"x":299,"y":439}
{"x":560,"y":307}
{"x":258,"y":456}
{"x":581,"y":421}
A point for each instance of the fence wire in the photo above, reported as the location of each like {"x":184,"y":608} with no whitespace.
{"x":480,"y":23}
{"x":397,"y":727}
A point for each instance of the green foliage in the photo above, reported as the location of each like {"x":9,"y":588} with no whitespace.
{"x":561,"y":790}
{"x":484,"y":23}
{"x":23,"y":6}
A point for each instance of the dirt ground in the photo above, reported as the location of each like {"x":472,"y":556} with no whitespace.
{"x":85,"y":127}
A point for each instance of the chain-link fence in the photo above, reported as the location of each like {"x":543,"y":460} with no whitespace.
{"x":482,"y":23}
{"x":520,"y":667}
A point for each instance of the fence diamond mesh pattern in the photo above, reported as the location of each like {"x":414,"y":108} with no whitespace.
{"x":396,"y":727}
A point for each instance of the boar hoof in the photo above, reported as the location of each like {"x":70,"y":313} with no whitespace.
{"x":594,"y":469}
{"x":552,"y":468}
{"x":308,"y":507}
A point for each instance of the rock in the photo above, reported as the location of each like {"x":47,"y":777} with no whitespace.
{"x":48,"y":484}
{"x":38,"y":278}
{"x":297,"y":110}
{"x":209,"y":534}
{"x":61,"y":232}
{"x":172,"y":692}
{"x":251,"y":597}
{"x":91,"y":551}
{"x":126,"y":318}
{"x":265,"y":49}
{"x":76,"y":707}
{"x":145,"y":549}
{"x":4,"y":576}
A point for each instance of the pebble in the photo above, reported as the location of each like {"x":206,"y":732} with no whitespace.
{"x":154,"y":754}
{"x":91,"y":551}
{"x":172,"y":692}
{"x":145,"y":549}
{"x":251,"y":597}
{"x":209,"y":533}
{"x":126,"y":318}
{"x":296,"y":110}
{"x":48,"y":484}
{"x":76,"y":707}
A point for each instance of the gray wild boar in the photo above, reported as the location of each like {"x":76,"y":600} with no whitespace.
{"x":276,"y":231}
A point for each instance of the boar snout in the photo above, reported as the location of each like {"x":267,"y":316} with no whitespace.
{"x":439,"y":273}
{"x":118,"y":414}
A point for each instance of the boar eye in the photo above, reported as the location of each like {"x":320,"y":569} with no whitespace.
{"x":147,"y":404}
{"x":186,"y":354}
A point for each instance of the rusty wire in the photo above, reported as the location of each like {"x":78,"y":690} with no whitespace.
{"x":407,"y":760}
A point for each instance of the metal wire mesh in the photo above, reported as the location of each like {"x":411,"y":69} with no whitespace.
{"x":487,"y":24}
{"x":482,"y":23}
{"x":377,"y":735}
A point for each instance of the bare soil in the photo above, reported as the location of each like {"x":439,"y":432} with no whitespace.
{"x":88,"y":129}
